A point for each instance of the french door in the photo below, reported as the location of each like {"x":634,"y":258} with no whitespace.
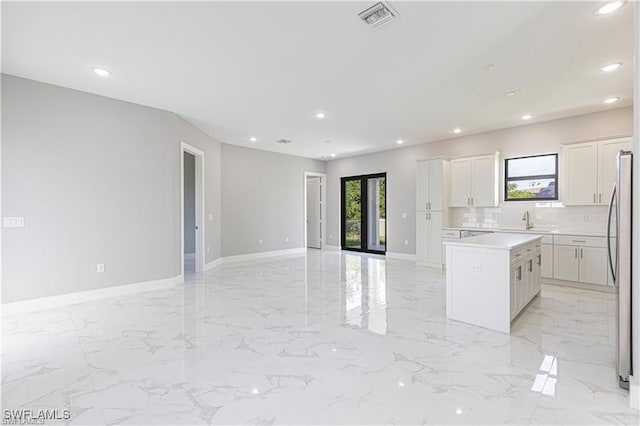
{"x":364,"y":213}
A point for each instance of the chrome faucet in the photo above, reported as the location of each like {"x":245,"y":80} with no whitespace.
{"x":528,"y":225}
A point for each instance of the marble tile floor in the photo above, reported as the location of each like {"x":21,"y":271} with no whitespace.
{"x":324,"y":338}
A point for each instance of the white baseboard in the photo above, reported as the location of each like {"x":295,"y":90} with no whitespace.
{"x":330,"y":247}
{"x":403,"y":256}
{"x":53,"y":302}
{"x":262,"y":255}
{"x":634,"y":396}
{"x":213,"y":264}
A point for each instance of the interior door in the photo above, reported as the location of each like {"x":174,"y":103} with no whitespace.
{"x":314,"y":212}
{"x":363,"y":211}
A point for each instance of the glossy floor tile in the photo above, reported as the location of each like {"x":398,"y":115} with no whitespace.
{"x":326,"y":338}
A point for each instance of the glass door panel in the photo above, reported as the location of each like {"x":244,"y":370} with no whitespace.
{"x":364,"y":213}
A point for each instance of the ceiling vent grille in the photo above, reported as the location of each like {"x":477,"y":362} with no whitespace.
{"x":284,"y":141}
{"x":378,"y":14}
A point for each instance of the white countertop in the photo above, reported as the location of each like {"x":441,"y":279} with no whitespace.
{"x":502,"y":241}
{"x":535,"y":231}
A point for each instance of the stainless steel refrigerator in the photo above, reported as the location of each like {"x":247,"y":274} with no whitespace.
{"x":620,"y":260}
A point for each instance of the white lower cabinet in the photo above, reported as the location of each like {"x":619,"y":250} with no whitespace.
{"x":429,"y":237}
{"x":581,"y":259}
{"x":546,"y":267}
{"x":525,"y":278}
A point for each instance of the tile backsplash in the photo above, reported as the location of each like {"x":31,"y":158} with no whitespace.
{"x":546,"y":215}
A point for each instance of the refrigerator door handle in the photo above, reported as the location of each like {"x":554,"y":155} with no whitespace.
{"x":611,"y":201}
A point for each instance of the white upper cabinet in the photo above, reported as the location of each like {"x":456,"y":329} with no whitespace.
{"x":474,"y":181}
{"x":431,"y":185}
{"x":608,"y":165}
{"x":590,"y":171}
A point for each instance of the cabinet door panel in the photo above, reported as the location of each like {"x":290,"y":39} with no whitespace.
{"x":565,"y":262}
{"x":547,"y":261}
{"x":483,"y":182}
{"x":593,"y":266}
{"x":579,"y":177}
{"x":422,"y":237}
{"x":460,"y":183}
{"x":435,"y":185}
{"x":422,"y":185}
{"x":435,"y":237}
{"x":607,"y":166}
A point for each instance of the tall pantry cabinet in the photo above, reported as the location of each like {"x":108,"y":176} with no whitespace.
{"x":432,"y":209}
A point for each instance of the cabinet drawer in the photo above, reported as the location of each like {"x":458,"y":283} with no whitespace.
{"x":569,"y":240}
{"x":450,"y":233}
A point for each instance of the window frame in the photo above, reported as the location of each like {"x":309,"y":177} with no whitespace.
{"x":507,"y":179}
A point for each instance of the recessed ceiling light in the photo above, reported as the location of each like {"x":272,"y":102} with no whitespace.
{"x":457,"y":130}
{"x":102,"y":72}
{"x":333,"y":155}
{"x":400,"y":141}
{"x":609,"y":7}
{"x":611,"y":100}
{"x":611,"y":67}
{"x":253,"y":139}
{"x":527,"y":117}
{"x":320,"y":115}
{"x":510,"y":93}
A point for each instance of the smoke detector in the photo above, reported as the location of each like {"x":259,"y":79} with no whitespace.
{"x":284,"y":141}
{"x":378,"y":14}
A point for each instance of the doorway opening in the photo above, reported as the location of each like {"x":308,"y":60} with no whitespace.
{"x":192,"y":209}
{"x":364,"y":213}
{"x":314,"y":209}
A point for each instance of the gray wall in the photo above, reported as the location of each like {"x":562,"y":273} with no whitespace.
{"x":400,"y":164}
{"x":98,"y":181}
{"x":263,"y":199}
{"x":189,"y":203}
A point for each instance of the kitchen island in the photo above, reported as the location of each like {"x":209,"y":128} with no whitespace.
{"x":491,"y":278}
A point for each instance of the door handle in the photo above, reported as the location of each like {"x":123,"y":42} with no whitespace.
{"x":581,"y":253}
{"x":519,"y":273}
{"x":594,"y":198}
{"x":471,"y":200}
{"x":600,"y":198}
{"x":575,"y":254}
{"x":539,"y":260}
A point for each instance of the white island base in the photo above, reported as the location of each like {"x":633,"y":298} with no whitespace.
{"x":491,"y":278}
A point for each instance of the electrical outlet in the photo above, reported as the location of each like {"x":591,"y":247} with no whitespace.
{"x":260,"y":241}
{"x":210,"y":217}
{"x":100,"y":268}
{"x":406,"y":242}
{"x":13,"y":222}
{"x":286,"y":239}
{"x":404,"y":215}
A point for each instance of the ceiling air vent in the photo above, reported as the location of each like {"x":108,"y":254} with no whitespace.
{"x":378,"y":14}
{"x":284,"y":141}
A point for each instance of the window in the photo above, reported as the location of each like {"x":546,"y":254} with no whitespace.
{"x":531,"y":178}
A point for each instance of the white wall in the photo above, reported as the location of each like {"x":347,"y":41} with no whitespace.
{"x":400,"y":164}
{"x":263,"y":199}
{"x":97,"y":181}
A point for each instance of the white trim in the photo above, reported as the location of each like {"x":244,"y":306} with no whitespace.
{"x":330,"y":247}
{"x":53,"y":302}
{"x":403,"y":256}
{"x":213,"y":264}
{"x":634,"y":396}
{"x":263,"y":254}
{"x":323,"y":206}
{"x":200,"y":206}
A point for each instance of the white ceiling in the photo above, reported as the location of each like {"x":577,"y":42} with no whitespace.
{"x":241,"y":69}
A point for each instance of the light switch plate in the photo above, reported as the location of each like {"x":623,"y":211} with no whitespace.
{"x":404,"y":215}
{"x":100,"y":268}
{"x":13,"y":222}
